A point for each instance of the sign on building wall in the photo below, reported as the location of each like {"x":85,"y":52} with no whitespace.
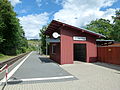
{"x":79,"y":38}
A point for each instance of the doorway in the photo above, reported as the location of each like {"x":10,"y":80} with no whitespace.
{"x":80,"y":52}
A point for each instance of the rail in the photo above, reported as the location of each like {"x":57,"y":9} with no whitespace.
{"x":12,"y":60}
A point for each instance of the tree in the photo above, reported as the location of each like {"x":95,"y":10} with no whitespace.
{"x":116,"y":26}
{"x":101,"y":26}
{"x":43,"y":39}
{"x":12,"y":34}
{"x":1,"y":28}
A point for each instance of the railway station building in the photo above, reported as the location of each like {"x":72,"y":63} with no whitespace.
{"x":72,"y":44}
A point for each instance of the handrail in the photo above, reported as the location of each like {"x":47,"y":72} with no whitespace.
{"x":3,"y":67}
{"x":6,"y":71}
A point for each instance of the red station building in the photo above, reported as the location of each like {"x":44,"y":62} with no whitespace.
{"x":72,"y":44}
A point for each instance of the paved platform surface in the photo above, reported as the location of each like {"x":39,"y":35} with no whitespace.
{"x":95,"y":76}
{"x":91,"y":76}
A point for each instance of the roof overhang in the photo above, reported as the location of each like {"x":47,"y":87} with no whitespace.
{"x":52,"y":40}
{"x":56,"y":25}
{"x":105,"y":42}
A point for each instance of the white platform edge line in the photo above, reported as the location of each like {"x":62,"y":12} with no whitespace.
{"x":51,"y":78}
{"x":39,"y":79}
{"x":15,"y":69}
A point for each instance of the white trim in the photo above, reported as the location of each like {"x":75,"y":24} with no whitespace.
{"x":106,"y":40}
{"x":3,"y":67}
{"x":40,"y":79}
{"x":15,"y":69}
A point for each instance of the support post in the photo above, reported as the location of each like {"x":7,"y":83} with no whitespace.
{"x":6,"y":73}
{"x":46,"y":48}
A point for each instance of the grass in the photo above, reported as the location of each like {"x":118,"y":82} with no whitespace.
{"x":5,"y":57}
{"x":33,"y":43}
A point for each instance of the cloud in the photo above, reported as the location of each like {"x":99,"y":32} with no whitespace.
{"x":39,"y":2}
{"x":33,"y":23}
{"x":108,"y":13}
{"x":14,"y":2}
{"x":81,"y":12}
{"x":23,"y":11}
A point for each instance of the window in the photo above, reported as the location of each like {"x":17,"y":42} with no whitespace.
{"x":53,"y":49}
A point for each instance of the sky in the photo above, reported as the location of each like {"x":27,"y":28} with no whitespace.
{"x":34,"y":14}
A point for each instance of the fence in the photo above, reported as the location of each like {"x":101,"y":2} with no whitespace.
{"x":109,"y":54}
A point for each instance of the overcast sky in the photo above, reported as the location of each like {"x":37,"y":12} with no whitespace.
{"x":34,"y":14}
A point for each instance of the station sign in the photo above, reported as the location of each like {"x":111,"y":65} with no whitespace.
{"x":79,"y":38}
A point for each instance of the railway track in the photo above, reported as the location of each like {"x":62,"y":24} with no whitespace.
{"x":12,"y":60}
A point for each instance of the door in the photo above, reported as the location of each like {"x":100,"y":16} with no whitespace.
{"x":80,"y":52}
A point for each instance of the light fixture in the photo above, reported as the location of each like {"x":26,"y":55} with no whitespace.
{"x":55,"y":35}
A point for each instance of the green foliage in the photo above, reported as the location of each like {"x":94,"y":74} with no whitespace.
{"x":5,"y":57}
{"x":33,"y":45}
{"x":116,"y":27}
{"x":111,"y":31}
{"x":43,"y":39}
{"x":1,"y":55}
{"x":12,"y":39}
{"x":31,"y":48}
{"x":101,"y":26}
{"x":1,"y":29}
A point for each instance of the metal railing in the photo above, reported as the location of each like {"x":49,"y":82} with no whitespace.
{"x":5,"y":67}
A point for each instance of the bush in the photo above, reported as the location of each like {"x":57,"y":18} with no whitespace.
{"x":18,"y":51}
{"x":1,"y":55}
{"x":23,"y":49}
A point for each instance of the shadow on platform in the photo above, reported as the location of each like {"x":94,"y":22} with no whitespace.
{"x":111,"y":66}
